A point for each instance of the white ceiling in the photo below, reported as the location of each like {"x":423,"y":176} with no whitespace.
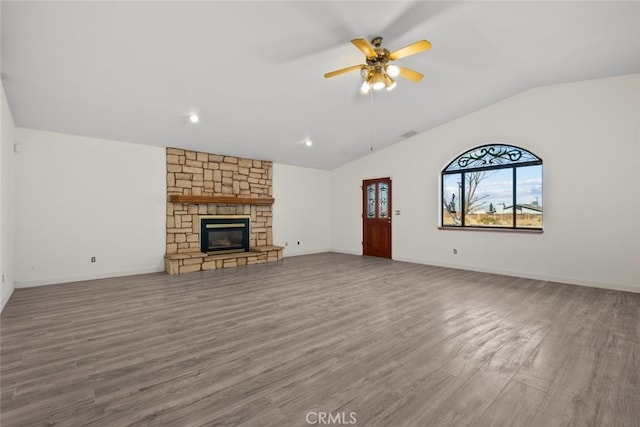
{"x":134,"y":71}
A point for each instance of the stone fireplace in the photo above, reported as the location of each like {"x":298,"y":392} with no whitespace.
{"x":203,"y":186}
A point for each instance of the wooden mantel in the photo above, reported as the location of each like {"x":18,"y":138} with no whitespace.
{"x":229,"y":200}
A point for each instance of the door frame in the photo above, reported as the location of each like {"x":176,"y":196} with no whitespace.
{"x":385,"y":223}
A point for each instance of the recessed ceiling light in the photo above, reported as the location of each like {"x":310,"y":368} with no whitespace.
{"x":194,"y":118}
{"x":308,"y":142}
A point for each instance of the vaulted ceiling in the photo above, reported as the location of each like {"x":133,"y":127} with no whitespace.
{"x":253,"y":71}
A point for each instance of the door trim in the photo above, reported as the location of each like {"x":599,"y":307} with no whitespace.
{"x":377,"y":229}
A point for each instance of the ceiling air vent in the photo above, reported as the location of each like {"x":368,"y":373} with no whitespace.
{"x":409,"y":134}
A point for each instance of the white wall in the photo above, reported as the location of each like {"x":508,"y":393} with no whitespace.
{"x":80,"y":197}
{"x":7,"y":202}
{"x":587,"y":134}
{"x":301,"y":210}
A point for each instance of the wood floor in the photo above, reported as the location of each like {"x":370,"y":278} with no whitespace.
{"x":325,"y":337}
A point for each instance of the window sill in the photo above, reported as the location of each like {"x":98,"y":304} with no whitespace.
{"x":494,"y":229}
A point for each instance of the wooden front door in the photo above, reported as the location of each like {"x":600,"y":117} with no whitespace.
{"x":376,"y":217}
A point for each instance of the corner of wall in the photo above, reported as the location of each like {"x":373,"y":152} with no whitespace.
{"x":115,"y":189}
{"x":7,"y":202}
{"x":301,"y":211}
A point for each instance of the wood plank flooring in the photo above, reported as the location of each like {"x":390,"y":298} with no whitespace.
{"x":378,"y":342}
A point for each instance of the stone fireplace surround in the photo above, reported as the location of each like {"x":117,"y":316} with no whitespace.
{"x":203,"y":184}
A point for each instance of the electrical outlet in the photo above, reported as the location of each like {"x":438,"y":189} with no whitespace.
{"x":93,"y":259}
{"x":298,"y":243}
{"x":455,"y":251}
{"x":286,"y":243}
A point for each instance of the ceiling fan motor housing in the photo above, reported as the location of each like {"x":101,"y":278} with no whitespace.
{"x":382,"y":54}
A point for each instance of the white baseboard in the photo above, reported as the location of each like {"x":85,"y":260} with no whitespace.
{"x":319,"y":251}
{"x":60,"y":280}
{"x":340,"y":251}
{"x":557,"y":279}
{"x":5,"y":298}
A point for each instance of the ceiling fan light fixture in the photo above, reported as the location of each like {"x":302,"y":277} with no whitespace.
{"x":379,"y":81}
{"x":391,"y":84}
{"x":378,"y":85}
{"x":365,"y":88}
{"x":377,"y":72}
{"x":393,"y":70}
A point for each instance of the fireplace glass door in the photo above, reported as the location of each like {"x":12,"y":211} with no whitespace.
{"x":224,"y":235}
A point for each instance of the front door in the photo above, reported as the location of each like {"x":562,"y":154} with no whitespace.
{"x":376,"y":217}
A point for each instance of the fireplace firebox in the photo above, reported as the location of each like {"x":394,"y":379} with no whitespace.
{"x":222,"y":235}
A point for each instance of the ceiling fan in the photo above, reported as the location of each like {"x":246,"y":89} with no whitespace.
{"x":377,"y":72}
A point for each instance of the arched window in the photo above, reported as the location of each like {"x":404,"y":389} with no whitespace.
{"x":493,"y":186}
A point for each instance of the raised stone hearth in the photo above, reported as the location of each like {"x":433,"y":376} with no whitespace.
{"x":187,"y":262}
{"x":202,"y":184}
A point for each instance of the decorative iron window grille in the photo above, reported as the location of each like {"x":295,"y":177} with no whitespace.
{"x":493,"y":186}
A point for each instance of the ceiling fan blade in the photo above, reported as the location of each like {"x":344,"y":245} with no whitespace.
{"x":409,"y":74}
{"x":412,"y":49}
{"x":343,"y":70}
{"x":364,"y":47}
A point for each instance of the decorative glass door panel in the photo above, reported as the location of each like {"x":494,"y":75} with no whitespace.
{"x":383,"y":200}
{"x":371,"y":201}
